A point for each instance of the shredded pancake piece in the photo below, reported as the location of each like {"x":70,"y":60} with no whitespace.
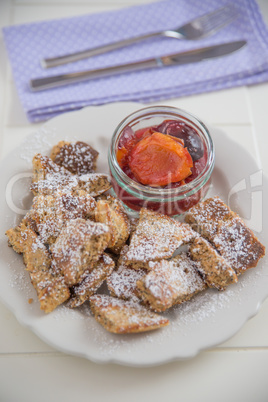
{"x":227,"y":232}
{"x":122,"y":282}
{"x":216,"y":271}
{"x":49,"y":285}
{"x":110,"y":211}
{"x":204,"y":217}
{"x":91,"y":281}
{"x":124,"y":317}
{"x":43,"y":165}
{"x":17,"y":237}
{"x":92,"y":183}
{"x":156,"y":237}
{"x":170,"y":282}
{"x":80,"y":244}
{"x":51,"y":212}
{"x":238,"y":245}
{"x":79,"y":158}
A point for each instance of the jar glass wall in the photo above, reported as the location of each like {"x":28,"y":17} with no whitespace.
{"x":171,"y":199}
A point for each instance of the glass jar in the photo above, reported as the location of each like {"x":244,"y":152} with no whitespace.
{"x":169,"y":200}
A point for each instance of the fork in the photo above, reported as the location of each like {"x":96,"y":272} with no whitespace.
{"x":198,"y":28}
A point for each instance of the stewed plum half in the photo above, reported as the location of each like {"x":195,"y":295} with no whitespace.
{"x":181,"y":130}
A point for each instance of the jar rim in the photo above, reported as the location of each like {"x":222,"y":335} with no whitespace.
{"x":155,"y":193}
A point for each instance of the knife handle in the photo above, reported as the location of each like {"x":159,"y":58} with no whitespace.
{"x":38,"y":84}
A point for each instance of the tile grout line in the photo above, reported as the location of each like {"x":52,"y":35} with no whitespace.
{"x":232,"y":349}
{"x":214,"y":124}
{"x":32,"y":354}
{"x":238,"y":349}
{"x":95,"y":6}
{"x":105,"y":3}
{"x":254,"y":133}
{"x":5,"y":86}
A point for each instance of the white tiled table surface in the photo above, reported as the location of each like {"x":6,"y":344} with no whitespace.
{"x":235,"y":371}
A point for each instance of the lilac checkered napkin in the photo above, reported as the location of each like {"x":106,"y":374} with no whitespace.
{"x":27,"y":44}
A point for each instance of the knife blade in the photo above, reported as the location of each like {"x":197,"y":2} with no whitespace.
{"x":192,"y":56}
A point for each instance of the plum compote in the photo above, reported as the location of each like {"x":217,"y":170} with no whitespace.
{"x":161,"y":158}
{"x":168,"y":155}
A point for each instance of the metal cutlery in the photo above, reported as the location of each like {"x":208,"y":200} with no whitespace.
{"x":200,"y":27}
{"x":191,"y":56}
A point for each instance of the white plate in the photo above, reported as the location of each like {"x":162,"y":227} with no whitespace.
{"x":207,"y":320}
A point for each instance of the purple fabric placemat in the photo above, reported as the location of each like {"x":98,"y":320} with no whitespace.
{"x":28,"y":43}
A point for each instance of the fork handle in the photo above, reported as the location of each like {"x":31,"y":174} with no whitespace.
{"x":69,"y":58}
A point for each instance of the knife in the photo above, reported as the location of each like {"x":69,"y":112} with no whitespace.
{"x":192,"y":56}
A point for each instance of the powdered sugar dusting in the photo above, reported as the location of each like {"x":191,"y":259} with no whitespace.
{"x":74,"y":235}
{"x":204,"y":306}
{"x":19,"y":281}
{"x":206,"y":215}
{"x":178,"y":274}
{"x":55,"y":182}
{"x":157,"y":237}
{"x":170,"y":282}
{"x":58,"y":182}
{"x":51,"y":212}
{"x":237,"y":244}
{"x":122,"y":282}
{"x":90,"y":281}
{"x":122,"y":316}
{"x":78,"y":157}
{"x":42,"y":139}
